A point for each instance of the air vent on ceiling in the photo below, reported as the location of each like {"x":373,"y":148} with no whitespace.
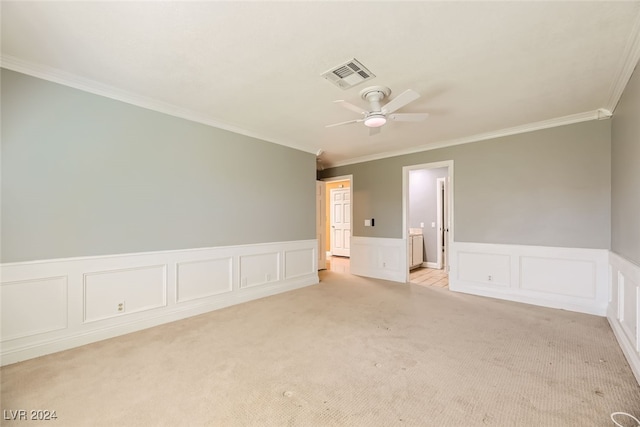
{"x":348,"y":74}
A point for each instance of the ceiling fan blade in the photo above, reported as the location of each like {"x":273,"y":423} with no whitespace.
{"x":375,"y":131}
{"x":349,"y":106}
{"x":400,"y":101}
{"x":344,"y":123}
{"x":408,"y":117}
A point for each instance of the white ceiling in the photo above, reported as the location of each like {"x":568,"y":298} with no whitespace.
{"x":482,"y":68}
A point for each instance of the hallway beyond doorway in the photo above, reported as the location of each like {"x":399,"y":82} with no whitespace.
{"x":338,"y":264}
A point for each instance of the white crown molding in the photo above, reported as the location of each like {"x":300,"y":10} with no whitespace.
{"x":628,"y":62}
{"x":545,"y":124}
{"x":87,"y":85}
{"x":67,"y":79}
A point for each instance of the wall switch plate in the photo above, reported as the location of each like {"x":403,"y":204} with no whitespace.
{"x":433,"y":225}
{"x":367,"y":223}
{"x":422,"y":225}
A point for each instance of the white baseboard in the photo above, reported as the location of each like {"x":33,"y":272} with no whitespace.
{"x":54,"y":305}
{"x":624,"y":308}
{"x":572,"y":279}
{"x":430,"y":264}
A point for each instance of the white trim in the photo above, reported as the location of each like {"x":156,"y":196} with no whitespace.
{"x":134,"y":254}
{"x":628,"y":63}
{"x":433,"y":265}
{"x":572,"y":279}
{"x":405,"y":203}
{"x":91,"y":86}
{"x":321,"y":223}
{"x":545,"y":124}
{"x":153,"y":296}
{"x":441,"y":185}
{"x":625,"y":275}
{"x":338,"y":178}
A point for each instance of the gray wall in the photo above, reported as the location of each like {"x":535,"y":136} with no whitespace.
{"x":87,"y":175}
{"x":423,"y":207}
{"x":625,"y":173}
{"x":549,"y":187}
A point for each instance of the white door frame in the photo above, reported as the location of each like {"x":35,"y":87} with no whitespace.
{"x":321,"y":223}
{"x":443,"y":223}
{"x":341,"y":178}
{"x":405,"y":204}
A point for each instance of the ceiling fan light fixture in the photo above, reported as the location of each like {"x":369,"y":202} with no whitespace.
{"x":375,"y":121}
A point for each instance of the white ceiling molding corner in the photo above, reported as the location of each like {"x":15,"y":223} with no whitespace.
{"x":599,"y":114}
{"x":91,"y":86}
{"x":628,"y":63}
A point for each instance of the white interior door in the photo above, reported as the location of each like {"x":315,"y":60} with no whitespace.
{"x":321,"y":221}
{"x":340,"y":221}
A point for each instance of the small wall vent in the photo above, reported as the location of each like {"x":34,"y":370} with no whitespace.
{"x":349,"y":74}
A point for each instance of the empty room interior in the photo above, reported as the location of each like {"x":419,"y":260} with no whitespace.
{"x":320,"y":213}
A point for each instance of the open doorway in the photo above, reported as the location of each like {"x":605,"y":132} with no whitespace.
{"x":427,"y":201}
{"x":338,"y":227}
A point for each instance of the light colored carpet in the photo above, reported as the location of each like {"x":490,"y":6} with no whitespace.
{"x":347,"y":352}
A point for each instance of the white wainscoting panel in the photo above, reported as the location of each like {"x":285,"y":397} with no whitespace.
{"x":624,"y":308}
{"x":258,"y":269}
{"x":53,"y":305}
{"x":204,"y":278}
{"x":490,"y":269}
{"x":381,"y":258}
{"x":46,"y":296}
{"x":118,"y":292}
{"x":628,"y":308}
{"x":558,"y":276}
{"x":569,"y":278}
{"x":298,"y":263}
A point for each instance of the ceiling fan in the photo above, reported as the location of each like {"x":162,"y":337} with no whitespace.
{"x":378,"y":114}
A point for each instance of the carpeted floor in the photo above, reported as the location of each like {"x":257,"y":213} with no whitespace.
{"x":347,"y":352}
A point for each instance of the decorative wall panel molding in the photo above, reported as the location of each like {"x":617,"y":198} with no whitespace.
{"x":573,"y":279}
{"x":119,"y":292}
{"x":380,"y":258}
{"x":259,"y":269}
{"x":46,"y":296}
{"x":624,"y":308}
{"x":54,"y":305}
{"x":298,"y":262}
{"x":203,"y":278}
{"x":559,"y":276}
{"x":490,"y":269}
